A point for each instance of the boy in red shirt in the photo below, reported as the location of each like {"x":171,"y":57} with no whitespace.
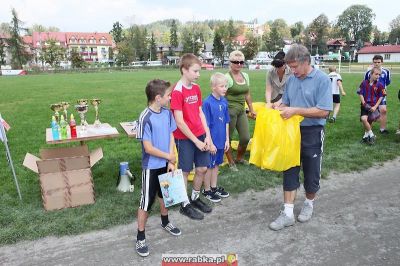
{"x":192,"y":136}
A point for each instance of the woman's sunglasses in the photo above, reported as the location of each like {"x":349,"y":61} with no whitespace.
{"x":238,"y":62}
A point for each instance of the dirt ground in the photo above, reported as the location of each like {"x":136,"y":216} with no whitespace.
{"x":356,"y":222}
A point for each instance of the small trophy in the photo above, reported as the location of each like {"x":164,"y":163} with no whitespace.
{"x":82,"y":109}
{"x":96,"y":103}
{"x":56,"y":107}
{"x":65,"y":106}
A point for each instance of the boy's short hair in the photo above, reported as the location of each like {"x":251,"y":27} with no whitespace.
{"x":332,"y":69}
{"x":377,"y":57}
{"x":156,"y":87}
{"x":188,"y":60}
{"x":217,"y":79}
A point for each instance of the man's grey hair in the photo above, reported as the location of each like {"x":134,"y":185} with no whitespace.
{"x":298,"y":53}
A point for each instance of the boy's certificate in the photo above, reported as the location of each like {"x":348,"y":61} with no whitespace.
{"x":173,"y":188}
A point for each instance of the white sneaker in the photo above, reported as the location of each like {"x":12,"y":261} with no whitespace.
{"x":305,"y":213}
{"x":398,"y":132}
{"x":282,"y":221}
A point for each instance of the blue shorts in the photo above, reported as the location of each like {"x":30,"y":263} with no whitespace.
{"x":216,"y":159}
{"x":312,"y":142}
{"x":189,"y":154}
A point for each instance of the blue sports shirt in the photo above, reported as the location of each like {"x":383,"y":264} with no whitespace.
{"x":156,"y":128}
{"x":312,"y":91}
{"x":217,"y":116}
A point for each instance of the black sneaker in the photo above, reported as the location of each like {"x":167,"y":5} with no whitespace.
{"x":198,"y":204}
{"x":365,"y":140}
{"x":141,"y":248}
{"x":170,"y":228}
{"x":371,"y":140}
{"x":384,"y":132}
{"x":190,"y":212}
{"x":221,"y":192}
{"x":211,"y":196}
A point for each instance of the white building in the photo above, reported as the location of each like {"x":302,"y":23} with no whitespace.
{"x":390,"y":53}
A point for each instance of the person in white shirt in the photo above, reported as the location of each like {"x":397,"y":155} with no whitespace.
{"x":336,"y":81}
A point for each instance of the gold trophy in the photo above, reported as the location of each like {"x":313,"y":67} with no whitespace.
{"x":82,"y":108}
{"x":65,"y":106}
{"x":96,"y":103}
{"x":56,"y":107}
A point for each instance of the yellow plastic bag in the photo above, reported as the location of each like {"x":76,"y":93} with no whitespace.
{"x":276,"y":142}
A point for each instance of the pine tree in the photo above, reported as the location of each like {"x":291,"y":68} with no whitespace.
{"x":19,"y":56}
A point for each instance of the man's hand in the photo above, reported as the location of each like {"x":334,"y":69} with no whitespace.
{"x":287,"y":112}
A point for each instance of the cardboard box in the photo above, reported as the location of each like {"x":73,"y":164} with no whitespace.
{"x":65,"y":175}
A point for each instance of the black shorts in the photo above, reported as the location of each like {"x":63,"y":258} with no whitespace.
{"x":189,"y":154}
{"x":363,"y":111}
{"x":312,"y":143}
{"x":150,"y":187}
{"x":336,"y":98}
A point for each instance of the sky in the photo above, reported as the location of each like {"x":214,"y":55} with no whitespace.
{"x":99,"y":15}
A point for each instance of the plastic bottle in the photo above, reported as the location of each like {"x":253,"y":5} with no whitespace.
{"x":55,"y":128}
{"x":72,"y":126}
{"x":63,"y":128}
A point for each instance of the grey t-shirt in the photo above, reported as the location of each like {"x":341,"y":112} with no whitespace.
{"x":312,"y":91}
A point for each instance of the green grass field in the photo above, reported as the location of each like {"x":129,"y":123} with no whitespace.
{"x":25,"y":101}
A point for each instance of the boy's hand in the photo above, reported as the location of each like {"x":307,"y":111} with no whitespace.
{"x":372,"y":109}
{"x":208,"y":142}
{"x":201,"y":145}
{"x":170,"y":167}
{"x":343,"y":93}
{"x":252,"y":115}
{"x":226,"y":148}
{"x":172,"y":158}
{"x":213,"y":149}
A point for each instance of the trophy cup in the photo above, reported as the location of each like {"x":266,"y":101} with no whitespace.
{"x":56,"y":107}
{"x":96,"y":103}
{"x":82,"y":109}
{"x":65,"y":106}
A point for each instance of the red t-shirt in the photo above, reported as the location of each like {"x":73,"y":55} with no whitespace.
{"x":188,"y":101}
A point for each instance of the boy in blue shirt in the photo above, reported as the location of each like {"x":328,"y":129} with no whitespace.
{"x":215,"y":108}
{"x":155,"y":127}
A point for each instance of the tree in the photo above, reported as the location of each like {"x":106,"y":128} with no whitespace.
{"x":52,"y":53}
{"x":117,"y":33}
{"x":355,"y":23}
{"x":2,"y":52}
{"x":218,"y":47}
{"x":296,"y":29}
{"x":318,"y":34}
{"x":251,"y":47}
{"x":394,"y":34}
{"x":19,"y":56}
{"x":76,"y":59}
{"x":380,"y":38}
{"x":231,"y":34}
{"x":173,"y":37}
{"x":41,"y":28}
{"x":153,"y":48}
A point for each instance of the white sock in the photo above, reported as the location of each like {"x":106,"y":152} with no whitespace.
{"x":309,"y":202}
{"x":370,"y":133}
{"x":382,"y":129}
{"x":195,"y":194}
{"x":365,"y":134}
{"x":288,"y":209}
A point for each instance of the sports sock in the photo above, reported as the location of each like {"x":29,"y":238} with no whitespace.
{"x":309,"y":202}
{"x":382,"y":129}
{"x":370,"y":133}
{"x":140,"y":235}
{"x":288,"y":209}
{"x":365,"y":134}
{"x":164,"y":219}
{"x":195,"y":194}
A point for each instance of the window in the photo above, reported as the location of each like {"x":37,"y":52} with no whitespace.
{"x":387,"y":56}
{"x":92,"y":40}
{"x":103,"y":40}
{"x":72,"y":40}
{"x":82,"y":40}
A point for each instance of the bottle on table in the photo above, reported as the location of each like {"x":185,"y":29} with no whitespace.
{"x":63,"y":128}
{"x":55,"y":128}
{"x":72,"y":126}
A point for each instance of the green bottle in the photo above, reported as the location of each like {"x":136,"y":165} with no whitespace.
{"x":63,"y":128}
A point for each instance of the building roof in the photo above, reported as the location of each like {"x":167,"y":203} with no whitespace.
{"x":39,"y":37}
{"x":90,"y":35}
{"x":339,"y":42}
{"x":380,"y":49}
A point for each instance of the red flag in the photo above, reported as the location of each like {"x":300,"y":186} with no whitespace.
{"x":5,"y":124}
